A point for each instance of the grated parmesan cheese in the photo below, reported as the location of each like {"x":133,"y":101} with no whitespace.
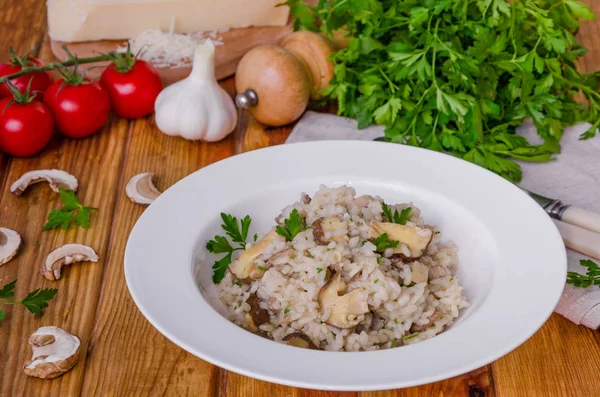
{"x":169,"y":49}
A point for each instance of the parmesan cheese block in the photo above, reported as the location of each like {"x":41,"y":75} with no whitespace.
{"x":86,"y":20}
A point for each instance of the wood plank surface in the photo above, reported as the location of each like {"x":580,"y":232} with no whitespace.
{"x":127,"y":356}
{"x":122,"y":354}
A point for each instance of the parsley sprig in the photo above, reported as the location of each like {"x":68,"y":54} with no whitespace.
{"x":238,"y":233}
{"x":460,"y":75}
{"x":592,"y":276}
{"x":36,"y":301}
{"x":382,"y":243}
{"x":401,"y":218}
{"x":292,"y":226}
{"x":72,"y":211}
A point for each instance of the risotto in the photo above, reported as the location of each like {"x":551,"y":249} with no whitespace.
{"x":345,"y":273}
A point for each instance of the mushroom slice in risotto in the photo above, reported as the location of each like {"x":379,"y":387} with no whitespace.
{"x":257,"y":315}
{"x":244,"y":267}
{"x":326,"y":230}
{"x":417,"y":239}
{"x":299,"y":339}
{"x":345,"y":311}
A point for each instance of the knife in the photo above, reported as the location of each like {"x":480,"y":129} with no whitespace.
{"x":567,"y":213}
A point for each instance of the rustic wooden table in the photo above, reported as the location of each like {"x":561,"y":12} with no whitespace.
{"x":122,"y":354}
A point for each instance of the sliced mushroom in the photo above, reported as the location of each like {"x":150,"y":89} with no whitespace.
{"x":416,"y":239}
{"x":66,"y":255}
{"x":363,"y":201}
{"x":257,"y":314}
{"x":420,"y":272}
{"x":305,"y":198}
{"x":344,"y":309}
{"x":281,"y":257}
{"x":55,"y":351}
{"x":10,"y":244}
{"x":299,"y":339}
{"x":140,"y":188}
{"x":56,"y":179}
{"x":243,"y":267}
{"x":324,"y":230}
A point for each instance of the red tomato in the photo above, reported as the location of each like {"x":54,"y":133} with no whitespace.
{"x":39,"y":80}
{"x":132,"y":93}
{"x":25,"y":129}
{"x":79,"y":110}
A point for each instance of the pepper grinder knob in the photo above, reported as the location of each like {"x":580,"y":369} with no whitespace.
{"x":246,"y":99}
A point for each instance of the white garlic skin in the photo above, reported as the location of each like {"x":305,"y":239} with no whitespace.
{"x":197,"y":108}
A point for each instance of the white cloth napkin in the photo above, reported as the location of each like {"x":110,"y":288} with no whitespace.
{"x":574,"y":178}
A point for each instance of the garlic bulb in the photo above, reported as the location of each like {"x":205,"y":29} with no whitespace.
{"x":197,"y":108}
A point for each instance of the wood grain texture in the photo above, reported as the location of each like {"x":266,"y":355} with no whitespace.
{"x":96,"y":162}
{"x":561,"y":359}
{"x":127,"y":356}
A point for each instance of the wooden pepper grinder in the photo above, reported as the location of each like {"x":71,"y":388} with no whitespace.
{"x":276,"y":83}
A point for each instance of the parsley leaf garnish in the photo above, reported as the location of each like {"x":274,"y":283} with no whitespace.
{"x":460,"y":75}
{"x":36,"y":301}
{"x":293,"y":225}
{"x":72,"y":211}
{"x":400,"y":218}
{"x":592,"y":276}
{"x":382,"y":243}
{"x":238,"y":232}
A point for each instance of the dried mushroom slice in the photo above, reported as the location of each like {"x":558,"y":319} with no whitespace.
{"x":10,"y":244}
{"x":66,"y":255}
{"x":344,"y":310}
{"x":141,"y":190}
{"x":243,"y":267}
{"x":299,"y":339}
{"x":417,"y":239}
{"x":55,"y":352}
{"x":56,"y":179}
{"x":257,"y":315}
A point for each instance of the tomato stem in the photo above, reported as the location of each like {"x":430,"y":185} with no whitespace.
{"x":73,"y":60}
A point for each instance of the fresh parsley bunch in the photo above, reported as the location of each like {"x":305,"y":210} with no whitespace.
{"x":460,"y":75}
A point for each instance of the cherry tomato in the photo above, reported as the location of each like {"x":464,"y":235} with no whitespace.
{"x":39,"y":81}
{"x":25,"y":128}
{"x":79,"y":110}
{"x":132,"y":92}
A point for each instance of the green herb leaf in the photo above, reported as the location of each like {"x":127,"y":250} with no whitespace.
{"x":592,"y":276}
{"x":219,"y":245}
{"x":72,"y":211}
{"x":287,"y":310}
{"x":400,"y":218}
{"x":220,"y":268}
{"x":409,"y":337}
{"x":8,"y":291}
{"x":37,"y":300}
{"x":238,"y":232}
{"x":233,"y":230}
{"x":382,"y":243}
{"x":292,"y":226}
{"x":319,"y":269}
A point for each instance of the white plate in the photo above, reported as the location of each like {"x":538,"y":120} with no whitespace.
{"x":512,"y":261}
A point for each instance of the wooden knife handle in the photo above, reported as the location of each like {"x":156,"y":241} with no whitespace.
{"x":583,"y":218}
{"x":579,"y":239}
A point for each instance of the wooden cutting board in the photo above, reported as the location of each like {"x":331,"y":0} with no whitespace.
{"x":236,"y":42}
